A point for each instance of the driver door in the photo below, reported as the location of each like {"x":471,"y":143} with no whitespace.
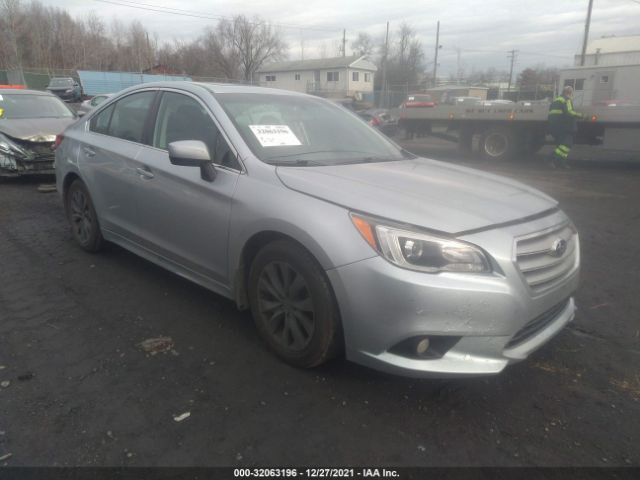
{"x":182,"y":217}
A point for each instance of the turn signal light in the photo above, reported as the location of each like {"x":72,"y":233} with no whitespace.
{"x":59,"y":139}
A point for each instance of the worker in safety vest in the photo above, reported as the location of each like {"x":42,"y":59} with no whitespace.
{"x":562,"y":126}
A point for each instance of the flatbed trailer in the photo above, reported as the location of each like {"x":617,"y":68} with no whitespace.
{"x":507,"y":131}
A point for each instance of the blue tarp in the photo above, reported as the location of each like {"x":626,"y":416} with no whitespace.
{"x":95,"y":83}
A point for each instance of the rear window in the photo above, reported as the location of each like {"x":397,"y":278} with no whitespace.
{"x":61,"y":82}
{"x":419,"y":98}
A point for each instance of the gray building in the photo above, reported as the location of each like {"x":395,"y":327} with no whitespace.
{"x":624,"y":50}
{"x":604,"y":84}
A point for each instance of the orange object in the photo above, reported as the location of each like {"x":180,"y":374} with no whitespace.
{"x":365,"y":230}
{"x":22,"y":87}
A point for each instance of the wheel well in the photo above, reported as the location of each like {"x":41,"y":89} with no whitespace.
{"x":68,"y":180}
{"x":249,"y":252}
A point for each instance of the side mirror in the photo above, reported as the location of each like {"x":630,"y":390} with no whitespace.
{"x":192,"y":153}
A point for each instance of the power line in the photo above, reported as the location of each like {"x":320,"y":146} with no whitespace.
{"x":192,"y":13}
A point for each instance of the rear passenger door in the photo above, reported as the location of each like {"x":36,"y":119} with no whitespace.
{"x":107,"y":158}
{"x":184,"y":218}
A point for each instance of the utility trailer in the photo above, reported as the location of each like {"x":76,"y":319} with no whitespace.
{"x":508,"y":130}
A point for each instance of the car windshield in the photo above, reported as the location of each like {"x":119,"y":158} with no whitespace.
{"x":301,"y":131}
{"x":61,"y":82}
{"x":18,"y":106}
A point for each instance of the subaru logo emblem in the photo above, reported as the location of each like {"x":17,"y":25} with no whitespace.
{"x":559,"y":247}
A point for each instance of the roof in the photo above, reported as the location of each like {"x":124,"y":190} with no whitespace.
{"x":445,"y":88}
{"x":217,"y":88}
{"x":597,"y":67}
{"x":314,"y":64}
{"x":626,"y":43}
{"x":22,"y":91}
{"x":95,"y":83}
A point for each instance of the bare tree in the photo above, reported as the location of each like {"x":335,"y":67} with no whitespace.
{"x":10,"y":13}
{"x":363,"y":45}
{"x":255,"y":42}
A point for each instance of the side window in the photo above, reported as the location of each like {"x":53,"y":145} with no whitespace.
{"x":180,"y":117}
{"x":100,"y":123}
{"x":129,"y":116}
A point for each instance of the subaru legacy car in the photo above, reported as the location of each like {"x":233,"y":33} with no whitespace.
{"x":29,"y":123}
{"x":334,"y":237}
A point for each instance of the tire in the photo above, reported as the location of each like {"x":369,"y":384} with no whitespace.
{"x":498,"y":144}
{"x":82,"y":217}
{"x":293,"y":305}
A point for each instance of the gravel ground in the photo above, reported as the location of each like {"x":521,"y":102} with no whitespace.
{"x":77,"y":387}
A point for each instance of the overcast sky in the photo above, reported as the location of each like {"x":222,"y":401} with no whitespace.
{"x":544,"y":31}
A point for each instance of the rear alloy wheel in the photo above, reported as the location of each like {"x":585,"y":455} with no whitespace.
{"x":82,"y":217}
{"x":293,"y":306}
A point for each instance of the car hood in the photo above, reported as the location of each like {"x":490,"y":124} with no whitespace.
{"x":35,"y":129}
{"x":427,"y":193}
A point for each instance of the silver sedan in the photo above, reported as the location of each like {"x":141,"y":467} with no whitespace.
{"x":337,"y":239}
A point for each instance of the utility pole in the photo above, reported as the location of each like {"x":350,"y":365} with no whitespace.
{"x":512,"y":57}
{"x":344,"y":42}
{"x":383,"y":91}
{"x":586,"y":33}
{"x":435,"y":60}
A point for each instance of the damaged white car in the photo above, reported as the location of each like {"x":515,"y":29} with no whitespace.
{"x":29,"y":123}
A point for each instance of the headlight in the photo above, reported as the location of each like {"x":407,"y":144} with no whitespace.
{"x":421,"y":251}
{"x":10,"y":148}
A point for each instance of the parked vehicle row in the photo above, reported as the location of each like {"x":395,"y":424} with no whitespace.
{"x":381,"y":119}
{"x":334,"y":237}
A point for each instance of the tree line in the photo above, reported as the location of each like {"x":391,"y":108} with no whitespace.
{"x":33,"y":35}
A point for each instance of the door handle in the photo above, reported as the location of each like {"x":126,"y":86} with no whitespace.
{"x":88,"y":152}
{"x":144,"y":172}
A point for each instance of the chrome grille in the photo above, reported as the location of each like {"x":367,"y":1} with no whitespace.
{"x":540,"y":257}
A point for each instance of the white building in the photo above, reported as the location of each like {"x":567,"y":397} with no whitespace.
{"x":624,"y":50}
{"x":328,"y":77}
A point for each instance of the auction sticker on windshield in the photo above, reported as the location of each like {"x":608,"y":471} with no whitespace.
{"x":275,"y":135}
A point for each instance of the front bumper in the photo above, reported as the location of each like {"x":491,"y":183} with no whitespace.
{"x":382,"y":305}
{"x":11,"y":166}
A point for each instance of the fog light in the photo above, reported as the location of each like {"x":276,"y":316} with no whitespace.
{"x":422,"y":346}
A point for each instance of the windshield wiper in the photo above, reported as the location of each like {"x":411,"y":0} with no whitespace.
{"x":321,"y":151}
{"x":297,"y":163}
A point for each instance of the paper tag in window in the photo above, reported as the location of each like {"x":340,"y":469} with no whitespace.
{"x":275,"y":135}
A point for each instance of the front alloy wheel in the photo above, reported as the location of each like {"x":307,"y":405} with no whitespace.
{"x":293,"y":306}
{"x":285,"y":302}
